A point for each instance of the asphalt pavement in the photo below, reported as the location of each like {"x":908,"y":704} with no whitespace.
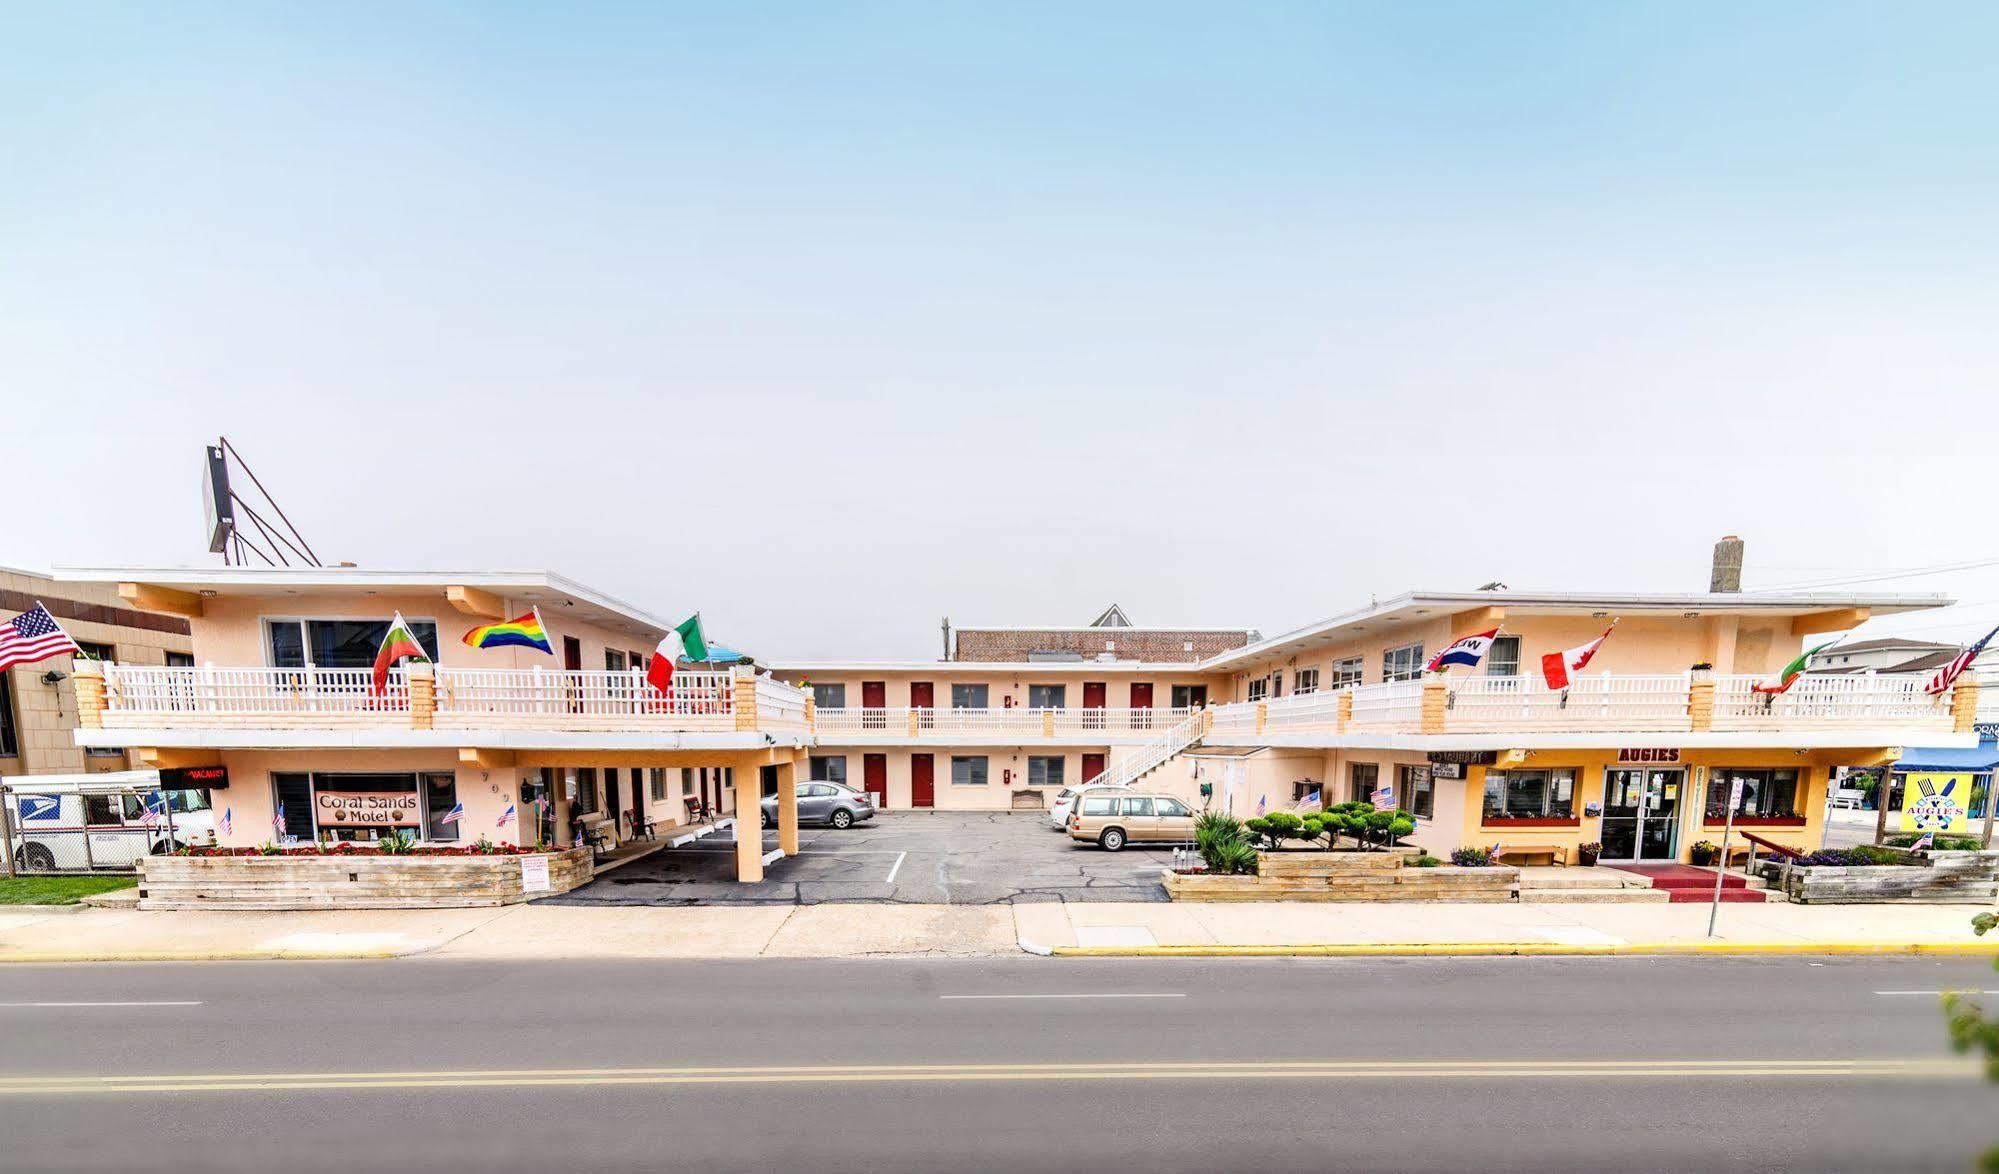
{"x":1029,"y":1064}
{"x":898,"y":857}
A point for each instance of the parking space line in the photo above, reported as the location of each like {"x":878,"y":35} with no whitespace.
{"x":133,"y":1003}
{"x":1080,"y":995}
{"x":896,"y":868}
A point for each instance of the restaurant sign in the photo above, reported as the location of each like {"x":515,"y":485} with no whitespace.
{"x":378,"y":809}
{"x":1649,"y":754}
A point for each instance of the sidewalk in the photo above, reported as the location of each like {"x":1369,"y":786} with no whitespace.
{"x":856,"y":931}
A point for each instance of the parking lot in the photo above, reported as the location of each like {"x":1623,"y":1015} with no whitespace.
{"x":902,"y":857}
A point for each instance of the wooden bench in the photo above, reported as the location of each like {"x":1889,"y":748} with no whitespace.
{"x":1553,"y":853}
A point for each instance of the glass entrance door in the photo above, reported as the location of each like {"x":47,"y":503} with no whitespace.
{"x":1641,"y":813}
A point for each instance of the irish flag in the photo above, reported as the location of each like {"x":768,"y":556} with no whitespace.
{"x":685,"y":640}
{"x":400,"y":643}
{"x":1793,"y":671}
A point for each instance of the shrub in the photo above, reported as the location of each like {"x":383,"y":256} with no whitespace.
{"x":1278,"y":827}
{"x":1425,"y":861}
{"x":1471,"y":857}
{"x":1856,"y":857}
{"x":1217,"y":836}
{"x":1233,"y":858}
{"x":1705,"y":852}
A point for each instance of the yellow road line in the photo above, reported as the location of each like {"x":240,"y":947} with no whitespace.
{"x":1914,"y":1068}
{"x":1530,"y":949}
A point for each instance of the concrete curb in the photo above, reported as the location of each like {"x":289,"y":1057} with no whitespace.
{"x":1532,"y":949}
{"x":204,"y":956}
{"x":44,"y":910}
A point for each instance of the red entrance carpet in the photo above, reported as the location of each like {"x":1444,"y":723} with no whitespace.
{"x":1683,"y":883}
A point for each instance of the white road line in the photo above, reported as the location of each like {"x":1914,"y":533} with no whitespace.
{"x":896,"y":868}
{"x":155,"y":1003}
{"x":1116,"y":995}
{"x":1931,"y":993}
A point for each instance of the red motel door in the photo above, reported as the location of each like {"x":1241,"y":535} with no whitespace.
{"x":1141,"y":705}
{"x":1093,"y":765}
{"x":922,"y":780}
{"x":923,"y":696}
{"x":874,"y":696}
{"x":1095,"y":695}
{"x":874,"y":777}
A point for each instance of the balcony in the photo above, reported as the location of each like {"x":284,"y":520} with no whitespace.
{"x":152,"y":698}
{"x":1820,"y":709}
{"x":993,"y":726}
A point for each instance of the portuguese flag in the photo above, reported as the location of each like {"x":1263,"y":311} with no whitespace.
{"x":1793,"y":671}
{"x":399,"y":644}
{"x":686,"y":640}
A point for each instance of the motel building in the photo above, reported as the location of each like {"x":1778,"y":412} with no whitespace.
{"x":1638,"y":754}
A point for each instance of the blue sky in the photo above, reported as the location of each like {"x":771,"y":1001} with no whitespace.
{"x":830,"y":320}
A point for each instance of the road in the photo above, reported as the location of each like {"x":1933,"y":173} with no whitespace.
{"x":1028,"y":1064}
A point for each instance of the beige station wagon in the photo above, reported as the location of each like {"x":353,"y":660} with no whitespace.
{"x":1115,"y":818}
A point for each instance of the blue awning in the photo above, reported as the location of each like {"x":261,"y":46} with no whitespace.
{"x":1976,"y":759}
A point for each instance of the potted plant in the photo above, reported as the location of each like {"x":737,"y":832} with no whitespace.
{"x":1586,"y":854}
{"x":1704,"y":852}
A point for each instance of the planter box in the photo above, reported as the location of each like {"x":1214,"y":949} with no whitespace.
{"x":1346,"y":876}
{"x":348,"y":882}
{"x":1942,"y":878}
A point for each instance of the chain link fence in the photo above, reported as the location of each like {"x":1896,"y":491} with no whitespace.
{"x":53,"y":825}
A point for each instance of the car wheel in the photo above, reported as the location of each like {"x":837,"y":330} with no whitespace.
{"x":1112,"y":839}
{"x":843,"y":819}
{"x":764,"y":820}
{"x":35,"y":858}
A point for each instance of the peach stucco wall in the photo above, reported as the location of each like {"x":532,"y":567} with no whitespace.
{"x":1008,"y":685}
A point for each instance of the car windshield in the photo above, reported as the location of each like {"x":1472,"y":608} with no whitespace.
{"x":1067,"y":793}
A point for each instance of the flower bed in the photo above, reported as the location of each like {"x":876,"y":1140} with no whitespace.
{"x":1345,"y":876}
{"x":361,"y":878}
{"x":1856,"y":876}
{"x":345,"y":848}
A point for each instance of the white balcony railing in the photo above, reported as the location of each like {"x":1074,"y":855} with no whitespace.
{"x":1608,"y":702}
{"x":779,"y":706}
{"x":601,"y":699}
{"x":925,"y":724}
{"x":150,"y":695}
{"x":1819,"y":702}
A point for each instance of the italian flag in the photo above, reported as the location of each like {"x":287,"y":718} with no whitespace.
{"x":686,"y":640}
{"x":399,"y":644}
{"x":1794,"y":670}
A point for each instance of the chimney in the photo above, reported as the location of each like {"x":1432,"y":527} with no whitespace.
{"x":1727,"y":572}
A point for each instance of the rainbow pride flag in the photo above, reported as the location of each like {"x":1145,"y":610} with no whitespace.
{"x":520,"y":632}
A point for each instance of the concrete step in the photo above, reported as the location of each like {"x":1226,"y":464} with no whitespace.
{"x":1579,"y":878}
{"x":115,"y":899}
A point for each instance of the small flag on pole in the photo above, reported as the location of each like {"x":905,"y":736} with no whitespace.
{"x":398,"y":644}
{"x":456,"y":813}
{"x":1947,"y":675}
{"x":1260,"y":800}
{"x":1791,"y":672}
{"x":1467,"y":652}
{"x":1923,"y":843}
{"x":227,"y":821}
{"x":1559,"y":668}
{"x":686,"y":640}
{"x":506,"y":817}
{"x":278,"y":820}
{"x":520,"y":632}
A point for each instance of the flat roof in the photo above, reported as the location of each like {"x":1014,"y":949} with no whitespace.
{"x":538,"y":587}
{"x":1413,"y":605}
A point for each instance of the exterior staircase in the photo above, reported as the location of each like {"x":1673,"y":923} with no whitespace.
{"x":1686,"y":884}
{"x":1182,"y":735}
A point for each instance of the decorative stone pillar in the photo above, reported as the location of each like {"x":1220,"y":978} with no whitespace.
{"x":811,"y":711}
{"x":915,"y":715}
{"x":423,"y":696}
{"x":90,"y":693}
{"x":1700,"y":701}
{"x":1346,"y":712}
{"x":743,"y":689}
{"x":1262,"y":716}
{"x":1963,"y":704}
{"x":1048,"y":723}
{"x":1436,"y":704}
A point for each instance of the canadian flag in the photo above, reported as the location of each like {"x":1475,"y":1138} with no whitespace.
{"x":1559,"y":668}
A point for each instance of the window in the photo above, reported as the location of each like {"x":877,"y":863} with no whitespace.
{"x":969,"y":697}
{"x":686,"y":780}
{"x":1362,"y":779}
{"x":1402,"y":664}
{"x":614,"y":661}
{"x":1766,"y":794}
{"x":1277,"y":682}
{"x":1308,"y":681}
{"x":635,"y":660}
{"x":656,"y":784}
{"x":1094,"y":804}
{"x":180,"y":660}
{"x":968,"y":771}
{"x":1171,"y":807}
{"x":337,"y":644}
{"x":10,"y":745}
{"x":1504,"y":659}
{"x":829,"y":696}
{"x":1347,"y":672}
{"x":1259,"y":689}
{"x":586,"y":790}
{"x":293,"y":794}
{"x":1414,"y":791}
{"x":1138,"y":805}
{"x":1189,"y":696}
{"x":440,"y":795}
{"x":1044,"y":771}
{"x":1530,"y":794}
{"x":829,"y":768}
{"x":101,"y":809}
{"x":1047,"y":696}
{"x":91,"y":650}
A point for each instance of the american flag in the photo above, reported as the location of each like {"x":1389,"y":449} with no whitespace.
{"x":227,"y":821}
{"x":506,"y":817}
{"x":152,"y":815}
{"x":32,"y":635}
{"x":456,"y":813}
{"x":1929,"y":838}
{"x":1948,"y":674}
{"x":278,"y":820}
